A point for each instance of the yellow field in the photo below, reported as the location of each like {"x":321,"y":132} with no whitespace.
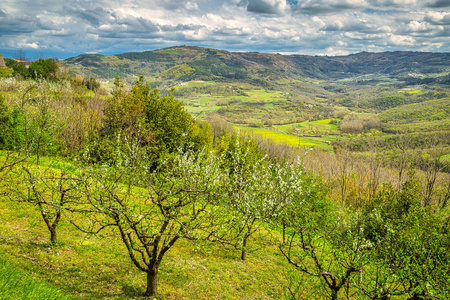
{"x":277,"y":137}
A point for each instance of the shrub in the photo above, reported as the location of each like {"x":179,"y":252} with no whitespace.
{"x":352,"y":126}
{"x":43,"y":68}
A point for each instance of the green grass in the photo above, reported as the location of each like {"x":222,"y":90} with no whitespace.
{"x":91,"y":267}
{"x":263,"y":95}
{"x":410,"y":92}
{"x":98,"y":267}
{"x":445,"y":158}
{"x":200,"y":83}
{"x":16,"y":285}
{"x":313,"y":125}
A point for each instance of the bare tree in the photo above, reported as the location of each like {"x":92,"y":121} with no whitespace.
{"x":152,"y":210}
{"x":343,"y":170}
{"x":49,"y":190}
{"x":332,"y":254}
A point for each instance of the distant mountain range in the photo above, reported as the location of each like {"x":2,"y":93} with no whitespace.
{"x":185,"y":63}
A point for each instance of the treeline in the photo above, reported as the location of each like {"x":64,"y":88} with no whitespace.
{"x":42,"y":68}
{"x":146,"y":169}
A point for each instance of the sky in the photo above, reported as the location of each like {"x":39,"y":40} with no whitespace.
{"x":62,"y":29}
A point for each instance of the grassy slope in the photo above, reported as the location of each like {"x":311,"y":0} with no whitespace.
{"x":97,"y":267}
{"x":16,"y":284}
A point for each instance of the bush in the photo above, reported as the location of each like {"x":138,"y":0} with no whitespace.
{"x":352,"y":126}
{"x":18,"y":67}
{"x":91,"y":83}
{"x":43,"y":68}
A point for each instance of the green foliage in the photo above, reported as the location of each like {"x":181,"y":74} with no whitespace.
{"x":168,"y":120}
{"x":201,"y":135}
{"x":389,"y":101}
{"x":91,"y":83}
{"x":12,"y":133}
{"x":43,"y":68}
{"x":229,"y":146}
{"x":161,"y":122}
{"x":18,"y":67}
{"x":4,"y":121}
{"x":409,"y":245}
{"x":6,"y":72}
{"x":425,"y":111}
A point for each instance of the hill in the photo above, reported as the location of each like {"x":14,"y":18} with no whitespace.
{"x":390,"y":91}
{"x":186,"y":63}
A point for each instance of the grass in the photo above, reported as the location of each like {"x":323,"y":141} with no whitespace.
{"x":16,"y":285}
{"x":410,"y":92}
{"x":263,"y":95}
{"x":85,"y":266}
{"x":313,"y":125}
{"x":445,"y":158}
{"x":92,"y":267}
{"x":200,"y":83}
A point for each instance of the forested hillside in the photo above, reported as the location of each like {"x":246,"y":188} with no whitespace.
{"x":194,"y":63}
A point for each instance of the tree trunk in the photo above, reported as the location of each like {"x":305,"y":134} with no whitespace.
{"x":334,"y":294}
{"x":37,"y":154}
{"x":152,"y":282}
{"x":53,"y":238}
{"x":417,"y":296}
{"x":244,"y":245}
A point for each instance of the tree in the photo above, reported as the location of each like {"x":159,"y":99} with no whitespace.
{"x":169,"y":121}
{"x":410,"y":254}
{"x":48,"y":191}
{"x":18,"y":67}
{"x":343,"y":170}
{"x":152,"y":210}
{"x":44,"y":68}
{"x":4,"y":121}
{"x":320,"y":241}
{"x":258,"y":192}
{"x":249,"y":196}
{"x":163,"y":124}
{"x":91,"y":83}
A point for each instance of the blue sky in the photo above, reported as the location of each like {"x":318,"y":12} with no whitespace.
{"x":54,"y":28}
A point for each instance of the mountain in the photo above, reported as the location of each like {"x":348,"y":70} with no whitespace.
{"x":185,"y":63}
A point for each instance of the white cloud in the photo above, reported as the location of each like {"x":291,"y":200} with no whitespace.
{"x":309,"y":26}
{"x":400,"y":40}
{"x":438,"y":18}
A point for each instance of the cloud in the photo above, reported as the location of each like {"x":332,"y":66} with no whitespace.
{"x":294,"y":26}
{"x":266,"y":6}
{"x":394,"y":3}
{"x":314,"y":7}
{"x":94,"y":15}
{"x":400,"y":40}
{"x":438,"y":18}
{"x":439,"y":4}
